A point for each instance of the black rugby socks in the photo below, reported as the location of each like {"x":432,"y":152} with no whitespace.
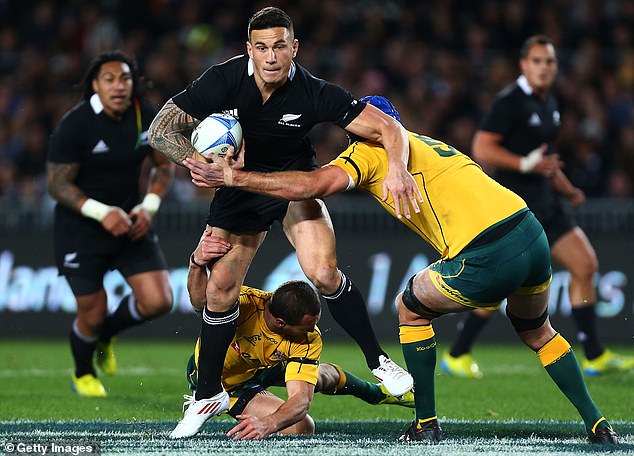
{"x":82,"y":347}
{"x":588,"y":336}
{"x":216,"y":333}
{"x":125,"y":316}
{"x":471,"y":327}
{"x":348,"y":309}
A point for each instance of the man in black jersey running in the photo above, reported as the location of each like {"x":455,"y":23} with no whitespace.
{"x":514,"y":138}
{"x":101,"y":223}
{"x":277,"y":102}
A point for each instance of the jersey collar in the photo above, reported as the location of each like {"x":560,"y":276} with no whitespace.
{"x":251,"y":70}
{"x":95,"y":103}
{"x":522,"y":82}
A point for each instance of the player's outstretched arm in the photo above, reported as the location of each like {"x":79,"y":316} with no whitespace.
{"x":375,"y":125}
{"x":290,"y":185}
{"x":300,"y":396}
{"x":169,"y":133}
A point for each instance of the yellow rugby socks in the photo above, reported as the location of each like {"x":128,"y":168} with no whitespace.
{"x":419,"y":350}
{"x":350,"y":384}
{"x":559,"y":361}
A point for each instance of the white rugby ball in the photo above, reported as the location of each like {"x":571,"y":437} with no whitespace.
{"x":216,"y":133}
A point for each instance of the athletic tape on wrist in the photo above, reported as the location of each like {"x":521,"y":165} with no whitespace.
{"x":530,"y":161}
{"x":95,"y":210}
{"x":151,"y":203}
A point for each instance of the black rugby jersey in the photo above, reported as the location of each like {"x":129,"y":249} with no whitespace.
{"x":525,"y":121}
{"x":276,"y":131}
{"x":106,"y":150}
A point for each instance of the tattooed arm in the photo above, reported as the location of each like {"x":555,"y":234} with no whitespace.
{"x":169,"y":133}
{"x":161,"y":176}
{"x":61,"y":178}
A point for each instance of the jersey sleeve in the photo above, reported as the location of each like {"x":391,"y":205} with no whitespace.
{"x":500,"y":118}
{"x":63,"y":145}
{"x":361,"y":162}
{"x":303,"y":362}
{"x":205,"y":95}
{"x":337,"y":104}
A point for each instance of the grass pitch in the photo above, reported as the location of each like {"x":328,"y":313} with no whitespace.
{"x":514,"y":409}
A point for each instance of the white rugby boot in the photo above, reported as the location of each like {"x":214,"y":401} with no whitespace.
{"x":198,"y":412}
{"x":396,"y":380}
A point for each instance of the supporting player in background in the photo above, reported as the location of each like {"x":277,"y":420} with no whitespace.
{"x":492,"y":247}
{"x":101,"y":222}
{"x":277,"y":103}
{"x":276,"y":344}
{"x":515,"y":138}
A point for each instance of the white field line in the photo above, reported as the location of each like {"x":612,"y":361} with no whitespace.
{"x":135,"y":371}
{"x":65,"y":372}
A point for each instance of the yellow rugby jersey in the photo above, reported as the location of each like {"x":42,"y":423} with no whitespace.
{"x":460,"y":200}
{"x":256,"y":347}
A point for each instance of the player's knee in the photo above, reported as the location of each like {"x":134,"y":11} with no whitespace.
{"x":306,"y":426}
{"x":329,"y":378}
{"x":585,"y":270}
{"x":534,"y":332}
{"x":221,"y":295}
{"x":156,"y":305}
{"x":92,"y":317}
{"x":326,"y":279}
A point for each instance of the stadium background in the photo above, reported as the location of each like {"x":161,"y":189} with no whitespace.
{"x":440,"y":62}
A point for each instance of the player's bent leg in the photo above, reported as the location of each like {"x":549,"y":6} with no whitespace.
{"x":91,"y":311}
{"x":308,"y":226}
{"x":219,"y":317}
{"x":335,"y":381}
{"x":152,"y":292}
{"x":266,"y":403}
{"x":574,"y":252}
{"x":418,"y":305}
{"x":557,"y":357}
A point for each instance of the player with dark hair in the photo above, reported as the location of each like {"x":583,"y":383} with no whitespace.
{"x":276,"y":344}
{"x":492,"y":247}
{"x":101,"y":222}
{"x":277,"y":103}
{"x":516,"y":139}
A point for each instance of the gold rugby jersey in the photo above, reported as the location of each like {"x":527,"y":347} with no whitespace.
{"x":256,"y":347}
{"x":460,"y":200}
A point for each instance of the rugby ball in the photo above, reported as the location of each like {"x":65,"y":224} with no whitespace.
{"x":216,"y":133}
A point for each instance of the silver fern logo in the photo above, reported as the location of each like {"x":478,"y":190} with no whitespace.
{"x":287,"y":119}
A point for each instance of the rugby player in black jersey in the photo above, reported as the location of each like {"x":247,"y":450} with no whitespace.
{"x":277,"y":103}
{"x":491,"y":246}
{"x":101,"y":221}
{"x":516,"y":139}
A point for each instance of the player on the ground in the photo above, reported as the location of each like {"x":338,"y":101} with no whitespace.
{"x":101,"y":222}
{"x":492,"y":247}
{"x":277,"y":103}
{"x":516,"y":139}
{"x":276,"y":343}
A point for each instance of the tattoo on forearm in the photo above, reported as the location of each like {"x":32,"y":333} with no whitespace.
{"x":161,"y":178}
{"x":168,"y":130}
{"x":61,"y":178}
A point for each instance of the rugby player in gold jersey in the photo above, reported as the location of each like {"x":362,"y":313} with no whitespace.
{"x":491,"y":248}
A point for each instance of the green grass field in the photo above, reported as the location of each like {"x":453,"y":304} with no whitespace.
{"x":514,"y":409}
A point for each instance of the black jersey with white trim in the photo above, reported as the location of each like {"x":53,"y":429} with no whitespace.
{"x":276,"y":131}
{"x":525,"y":121}
{"x":105,"y":149}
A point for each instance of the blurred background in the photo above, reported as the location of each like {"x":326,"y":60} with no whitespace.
{"x":440,"y":61}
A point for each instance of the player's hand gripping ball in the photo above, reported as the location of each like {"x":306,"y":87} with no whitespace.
{"x":215,"y":134}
